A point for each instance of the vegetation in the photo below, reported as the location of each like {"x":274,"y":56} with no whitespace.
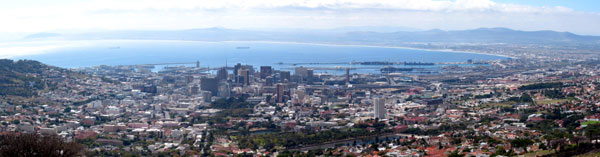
{"x":16,"y":78}
{"x":541,"y":86}
{"x":231,"y":103}
{"x":294,"y":139}
{"x":36,"y":145}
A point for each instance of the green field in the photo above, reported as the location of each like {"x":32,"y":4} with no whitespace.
{"x":498,"y":104}
{"x":590,"y":122}
{"x":538,"y":153}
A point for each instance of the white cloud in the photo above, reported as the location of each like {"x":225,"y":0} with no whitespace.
{"x":182,"y":14}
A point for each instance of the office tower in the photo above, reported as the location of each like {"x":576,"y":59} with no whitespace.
{"x":224,"y":89}
{"x":309,"y":76}
{"x":284,"y":76}
{"x":301,"y":71}
{"x":243,"y":77}
{"x":269,"y":81}
{"x":209,"y":84}
{"x":347,"y":75}
{"x":280,"y":92}
{"x":304,"y":74}
{"x":379,"y":108}
{"x":222,"y":74}
{"x":265,"y":71}
{"x":235,"y":70}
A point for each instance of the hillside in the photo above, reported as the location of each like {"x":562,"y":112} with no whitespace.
{"x":22,"y":78}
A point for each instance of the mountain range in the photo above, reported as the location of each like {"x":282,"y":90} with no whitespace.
{"x":364,"y":35}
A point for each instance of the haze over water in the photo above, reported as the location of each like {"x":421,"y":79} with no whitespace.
{"x":216,"y":54}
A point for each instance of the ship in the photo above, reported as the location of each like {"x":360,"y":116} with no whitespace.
{"x":242,"y":47}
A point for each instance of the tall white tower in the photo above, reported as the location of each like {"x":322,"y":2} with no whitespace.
{"x":379,"y":108}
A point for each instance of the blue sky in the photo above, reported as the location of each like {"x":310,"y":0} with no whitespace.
{"x":579,"y":5}
{"x":577,"y":16}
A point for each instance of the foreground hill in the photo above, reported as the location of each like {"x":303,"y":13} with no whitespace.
{"x":24,"y":77}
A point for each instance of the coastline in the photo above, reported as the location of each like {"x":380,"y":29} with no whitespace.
{"x":75,"y":43}
{"x":373,"y":46}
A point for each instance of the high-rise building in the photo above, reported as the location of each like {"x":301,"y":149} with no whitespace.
{"x":224,"y":89}
{"x":284,"y":76}
{"x":235,"y":70}
{"x":209,"y":84}
{"x":309,"y":76}
{"x":222,"y":74}
{"x":269,"y":81}
{"x":247,"y":70}
{"x":303,"y":74}
{"x":301,"y":71}
{"x":265,"y":71}
{"x":379,"y":108}
{"x":280,"y":92}
{"x":243,"y":77}
{"x":347,"y":75}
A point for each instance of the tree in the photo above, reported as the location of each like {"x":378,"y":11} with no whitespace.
{"x":522,"y":142}
{"x":592,"y":131}
{"x":67,"y":109}
{"x":36,"y":145}
{"x":455,"y":154}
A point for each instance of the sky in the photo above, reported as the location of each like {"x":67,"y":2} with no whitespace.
{"x":577,"y":16}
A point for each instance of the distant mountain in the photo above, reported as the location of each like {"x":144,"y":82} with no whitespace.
{"x":490,"y":35}
{"x":363,"y":35}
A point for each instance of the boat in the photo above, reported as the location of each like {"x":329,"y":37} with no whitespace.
{"x":242,"y":47}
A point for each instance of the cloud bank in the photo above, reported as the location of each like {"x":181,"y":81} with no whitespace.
{"x":317,"y":14}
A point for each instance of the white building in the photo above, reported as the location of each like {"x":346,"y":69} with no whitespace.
{"x":379,"y":108}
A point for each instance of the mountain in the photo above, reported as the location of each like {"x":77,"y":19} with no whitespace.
{"x":495,"y":35}
{"x":363,"y":35}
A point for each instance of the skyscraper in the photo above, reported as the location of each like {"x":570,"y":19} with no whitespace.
{"x":347,"y":75}
{"x":301,"y":71}
{"x":224,"y":89}
{"x":280,"y":92}
{"x":304,"y":74}
{"x":235,"y":70}
{"x":379,"y":108}
{"x":243,"y":77}
{"x":209,"y":84}
{"x":284,"y":76}
{"x":265,"y":71}
{"x":222,"y":74}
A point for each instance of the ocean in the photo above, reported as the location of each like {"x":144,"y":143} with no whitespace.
{"x":281,"y":56}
